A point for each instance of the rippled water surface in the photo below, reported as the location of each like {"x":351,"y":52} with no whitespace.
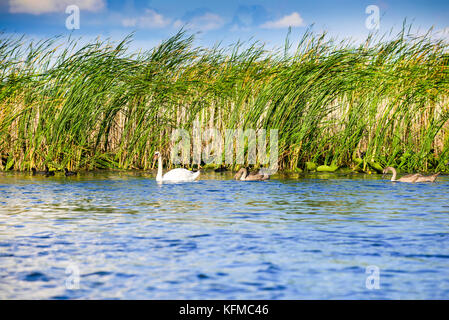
{"x":311,"y":237}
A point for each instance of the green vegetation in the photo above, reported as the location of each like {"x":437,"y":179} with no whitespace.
{"x":335,"y":104}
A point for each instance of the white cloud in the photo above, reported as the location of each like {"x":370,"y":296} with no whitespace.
{"x":292,"y":20}
{"x":208,"y":21}
{"x":444,"y":31}
{"x":442,"y":34}
{"x":177,"y":24}
{"x":205,"y":22}
{"x":49,"y":6}
{"x":150,"y":20}
{"x":129,"y":22}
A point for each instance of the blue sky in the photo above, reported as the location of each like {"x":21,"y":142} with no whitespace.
{"x":225,"y":21}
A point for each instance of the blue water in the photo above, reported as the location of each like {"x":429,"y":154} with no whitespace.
{"x":304,"y":238}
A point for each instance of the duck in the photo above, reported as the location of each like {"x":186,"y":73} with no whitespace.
{"x":46,"y":173}
{"x":221,"y":169}
{"x":35,"y":172}
{"x":175,"y":175}
{"x":49,"y":173}
{"x":412,"y":178}
{"x":69,"y":173}
{"x":244,"y":175}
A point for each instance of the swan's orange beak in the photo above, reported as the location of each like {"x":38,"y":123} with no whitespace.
{"x":155,"y":157}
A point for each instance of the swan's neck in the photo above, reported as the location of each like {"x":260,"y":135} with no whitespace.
{"x":244,"y":174}
{"x":393,"y":178}
{"x":159,"y":169}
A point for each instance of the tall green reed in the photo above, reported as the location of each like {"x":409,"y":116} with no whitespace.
{"x":97,"y":105}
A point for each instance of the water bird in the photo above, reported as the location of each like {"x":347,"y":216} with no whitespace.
{"x":49,"y":173}
{"x":175,"y":175}
{"x":430,"y":178}
{"x":46,"y":173}
{"x":221,"y":169}
{"x":415,"y":177}
{"x":244,"y":175}
{"x":69,"y":173}
{"x":35,"y":172}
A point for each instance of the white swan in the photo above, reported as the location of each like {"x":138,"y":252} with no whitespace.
{"x":175,"y":175}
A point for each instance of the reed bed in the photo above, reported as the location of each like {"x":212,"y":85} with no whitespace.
{"x":97,"y":105}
